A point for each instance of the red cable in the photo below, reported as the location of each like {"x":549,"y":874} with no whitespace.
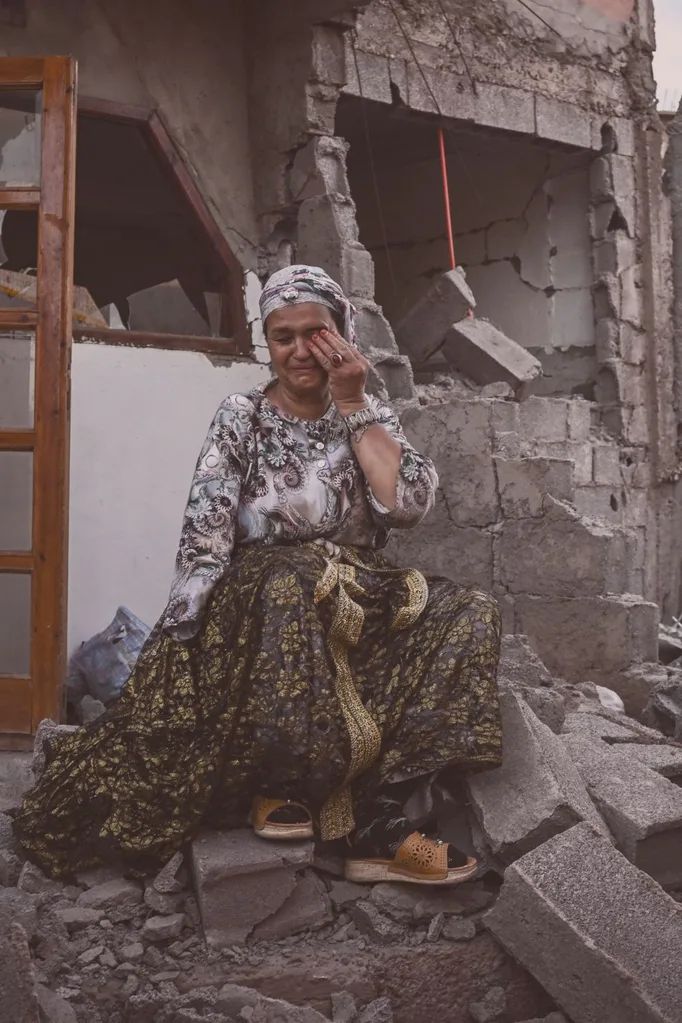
{"x":446,"y":195}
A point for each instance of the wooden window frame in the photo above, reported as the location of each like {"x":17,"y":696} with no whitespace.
{"x":26,"y":699}
{"x":172,"y":163}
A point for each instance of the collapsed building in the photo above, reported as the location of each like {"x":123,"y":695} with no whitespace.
{"x":213,"y":147}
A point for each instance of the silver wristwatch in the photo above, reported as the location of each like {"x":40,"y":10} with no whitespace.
{"x":361,"y":419}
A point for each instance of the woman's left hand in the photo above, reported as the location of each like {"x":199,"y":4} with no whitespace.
{"x":346,"y":367}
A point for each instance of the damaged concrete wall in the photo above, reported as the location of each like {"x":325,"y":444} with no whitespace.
{"x":520,"y":213}
{"x":192,"y":67}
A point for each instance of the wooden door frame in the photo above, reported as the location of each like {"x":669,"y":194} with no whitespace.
{"x":47,"y":562}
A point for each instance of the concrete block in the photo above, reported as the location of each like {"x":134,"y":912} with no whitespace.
{"x":607,"y":340}
{"x":631,"y":296}
{"x":665,"y":760}
{"x":606,"y":297}
{"x":535,"y":794}
{"x":373,"y":329}
{"x":596,"y":727}
{"x":623,"y":184}
{"x":562,"y":122}
{"x":589,"y":637}
{"x":601,"y":937}
{"x":563,"y":555}
{"x":423,"y":330}
{"x":462,"y":554}
{"x":501,"y":107}
{"x":579,"y":415}
{"x":319,"y":169}
{"x":484,"y":354}
{"x":642,"y":809}
{"x":459,"y":426}
{"x":607,"y":465}
{"x":241,"y":881}
{"x":664,"y":706}
{"x":307,"y":909}
{"x":636,"y":685}
{"x":524,"y":483}
{"x":520,"y":665}
{"x":328,"y":56}
{"x":544,"y":419}
{"x":374,"y":82}
{"x":396,"y":373}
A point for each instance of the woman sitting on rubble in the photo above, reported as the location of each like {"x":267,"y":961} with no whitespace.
{"x":294,"y":676}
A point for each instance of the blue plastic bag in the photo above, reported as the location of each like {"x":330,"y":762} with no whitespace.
{"x":102,"y":665}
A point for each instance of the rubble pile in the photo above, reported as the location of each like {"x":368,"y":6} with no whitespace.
{"x":575,"y":910}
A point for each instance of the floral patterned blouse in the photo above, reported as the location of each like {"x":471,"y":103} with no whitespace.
{"x":270,"y":478}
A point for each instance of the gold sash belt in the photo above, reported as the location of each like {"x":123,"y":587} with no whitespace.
{"x":336,"y":816}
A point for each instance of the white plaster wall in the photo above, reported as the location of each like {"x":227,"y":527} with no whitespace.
{"x":139,"y":417}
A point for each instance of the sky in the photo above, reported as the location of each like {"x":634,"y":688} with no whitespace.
{"x":668,"y":59}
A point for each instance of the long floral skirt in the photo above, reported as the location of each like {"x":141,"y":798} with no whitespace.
{"x":315,"y":677}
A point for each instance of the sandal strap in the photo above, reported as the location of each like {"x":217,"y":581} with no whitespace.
{"x":424,"y":856}
{"x":262,"y":807}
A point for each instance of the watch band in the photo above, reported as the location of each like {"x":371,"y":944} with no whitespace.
{"x":360,"y":419}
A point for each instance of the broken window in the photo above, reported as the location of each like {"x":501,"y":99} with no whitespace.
{"x":520,"y":213}
{"x":148,"y":268}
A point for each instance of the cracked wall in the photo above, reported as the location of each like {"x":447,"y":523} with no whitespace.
{"x":520,"y":214}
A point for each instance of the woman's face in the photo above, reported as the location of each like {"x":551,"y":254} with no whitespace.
{"x":288,"y":332}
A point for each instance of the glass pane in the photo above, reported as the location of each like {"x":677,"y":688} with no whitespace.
{"x":16,"y":500}
{"x":17,"y":376}
{"x":20,"y":129}
{"x":18,"y":259}
{"x":15,"y":624}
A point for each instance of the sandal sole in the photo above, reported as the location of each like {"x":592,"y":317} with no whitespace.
{"x":286,"y":832}
{"x":374,"y":871}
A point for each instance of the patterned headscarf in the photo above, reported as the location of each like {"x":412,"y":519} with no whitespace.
{"x":297,"y":284}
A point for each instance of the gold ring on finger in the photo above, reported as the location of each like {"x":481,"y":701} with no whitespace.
{"x":336,"y":359}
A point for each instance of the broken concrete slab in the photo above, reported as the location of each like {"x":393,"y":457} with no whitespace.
{"x":597,"y":727}
{"x":307,"y":909}
{"x":423,"y":330}
{"x":636,"y":685}
{"x":485,"y":355}
{"x":48,"y":730}
{"x":242,"y":880}
{"x":524,"y":483}
{"x":536,"y":793}
{"x":642,"y":808}
{"x":600,"y":958}
{"x":665,"y":760}
{"x":520,"y":665}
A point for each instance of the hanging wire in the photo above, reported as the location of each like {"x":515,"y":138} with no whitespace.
{"x":373,"y":169}
{"x":531,"y":10}
{"x":457,"y":44}
{"x":414,"y":57}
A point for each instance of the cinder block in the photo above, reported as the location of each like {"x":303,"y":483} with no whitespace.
{"x":447,"y":301}
{"x":564,"y":555}
{"x":642,"y":809}
{"x":563,"y":122}
{"x":524,"y":482}
{"x":578,"y":638}
{"x":607,"y":466}
{"x":535,"y":794}
{"x":241,"y":881}
{"x":320,"y":169}
{"x":484,"y":354}
{"x":544,"y":419}
{"x":665,"y":760}
{"x":373,"y":329}
{"x":599,"y":935}
{"x":579,"y":419}
{"x":462,"y":554}
{"x":395,"y":372}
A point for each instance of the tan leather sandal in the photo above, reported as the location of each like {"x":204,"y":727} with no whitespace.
{"x":419,"y":860}
{"x":260,"y":819}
